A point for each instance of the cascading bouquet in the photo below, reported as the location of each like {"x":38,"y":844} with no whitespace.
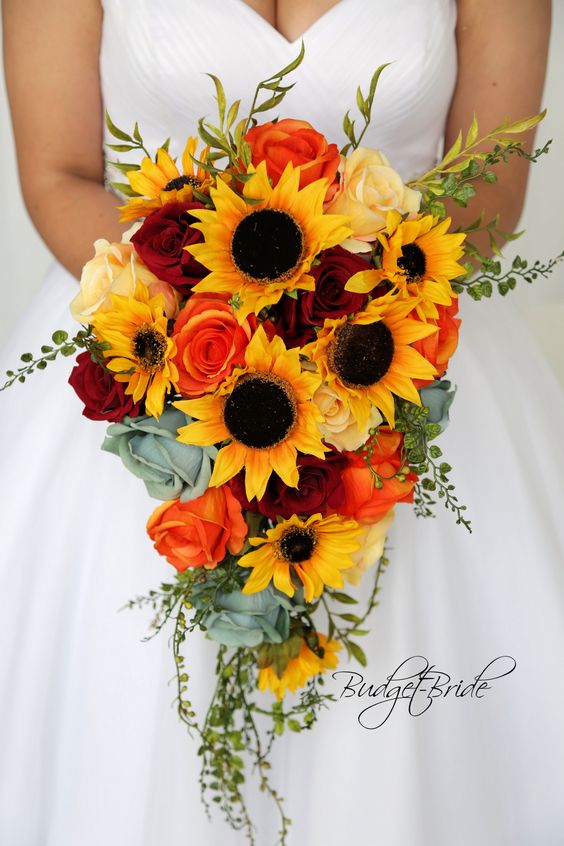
{"x":268,"y":343}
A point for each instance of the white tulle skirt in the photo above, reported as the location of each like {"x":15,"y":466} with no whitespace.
{"x":91,"y":749}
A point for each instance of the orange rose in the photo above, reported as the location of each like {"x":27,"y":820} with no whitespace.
{"x":209,"y":342}
{"x":198,"y":533}
{"x":363,"y":500}
{"x":298,"y":142}
{"x":439,"y":348}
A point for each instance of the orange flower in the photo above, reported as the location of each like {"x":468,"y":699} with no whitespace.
{"x":440,"y":347}
{"x":210,"y":341}
{"x":298,"y":142}
{"x":363,"y":500}
{"x":198,"y":533}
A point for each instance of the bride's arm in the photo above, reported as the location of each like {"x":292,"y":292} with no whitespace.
{"x":51,"y":59}
{"x":502,"y":50}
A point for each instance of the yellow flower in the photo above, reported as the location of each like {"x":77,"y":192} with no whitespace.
{"x":372,"y":542}
{"x":161,"y":182}
{"x":300,"y":667}
{"x":368,"y":189}
{"x":420,"y":258}
{"x":265,"y":411}
{"x":311,"y":551}
{"x":260,"y":250}
{"x":368,"y":359}
{"x":139,"y":350}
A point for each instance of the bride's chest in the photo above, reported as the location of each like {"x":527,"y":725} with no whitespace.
{"x":291,"y":18}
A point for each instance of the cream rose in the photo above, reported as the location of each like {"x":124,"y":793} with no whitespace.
{"x":339,"y":427}
{"x":368,"y":190}
{"x":371,"y":548}
{"x":116,"y":269}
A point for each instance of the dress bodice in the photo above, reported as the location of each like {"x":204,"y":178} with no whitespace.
{"x":154,"y":57}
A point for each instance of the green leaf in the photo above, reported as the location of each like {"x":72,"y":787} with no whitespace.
{"x":27,"y":357}
{"x":357,"y":652}
{"x":220,"y":97}
{"x":122,"y":148}
{"x":125,"y":167}
{"x":350,"y":618}
{"x":125,"y":189}
{"x":117,"y":133}
{"x":472,"y":133}
{"x":343,"y":597}
{"x":293,"y":65}
{"x":232,"y":113}
{"x":271,"y":103}
{"x":522,"y":125}
{"x":136,"y":133}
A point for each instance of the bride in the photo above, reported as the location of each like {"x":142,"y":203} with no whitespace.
{"x":91,"y":751}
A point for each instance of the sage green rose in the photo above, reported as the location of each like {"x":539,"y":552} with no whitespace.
{"x":438,"y":399}
{"x":149,"y":449}
{"x":239,"y":619}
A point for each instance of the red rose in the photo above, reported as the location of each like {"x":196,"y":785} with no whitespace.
{"x":298,"y":142}
{"x":297,"y":317}
{"x":320,"y":489}
{"x":161,"y":240}
{"x":103,"y":397}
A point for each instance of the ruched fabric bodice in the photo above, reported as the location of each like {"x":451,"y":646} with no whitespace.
{"x":155,"y":55}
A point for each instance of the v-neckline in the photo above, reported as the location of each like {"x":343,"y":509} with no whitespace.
{"x":276,"y":32}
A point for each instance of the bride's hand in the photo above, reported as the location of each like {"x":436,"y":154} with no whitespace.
{"x":51,"y":52}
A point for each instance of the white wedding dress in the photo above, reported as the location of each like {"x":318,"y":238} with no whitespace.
{"x":91,"y":751}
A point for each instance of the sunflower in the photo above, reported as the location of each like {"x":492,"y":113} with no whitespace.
{"x":266,"y":412}
{"x":302,"y":665}
{"x":368,"y":359}
{"x":419,"y":257}
{"x":160,"y":182}
{"x":259,"y":250}
{"x":139,"y":352}
{"x":313,"y":551}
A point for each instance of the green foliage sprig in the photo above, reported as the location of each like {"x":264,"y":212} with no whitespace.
{"x":62,"y":344}
{"x":364,"y":105}
{"x":238,"y":730}
{"x":423,"y":458}
{"x":130,"y":143}
{"x":493,"y":275}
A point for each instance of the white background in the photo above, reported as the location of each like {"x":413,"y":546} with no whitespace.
{"x":24,"y":258}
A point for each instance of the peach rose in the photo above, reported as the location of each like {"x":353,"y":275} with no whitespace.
{"x":114,"y":269}
{"x":372,"y":542}
{"x":209,"y":341}
{"x":200,"y":532}
{"x":363,"y":500}
{"x":368,"y":190}
{"x":339,"y":426}
{"x":294,"y":141}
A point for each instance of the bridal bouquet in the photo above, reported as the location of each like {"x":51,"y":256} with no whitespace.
{"x":268,"y":344}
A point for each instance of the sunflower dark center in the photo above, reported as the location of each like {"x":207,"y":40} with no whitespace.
{"x":267,"y":246}
{"x":180,"y":181}
{"x":362,"y":355}
{"x":297,"y":545}
{"x":260,"y":411}
{"x":149,"y":348}
{"x":412,"y":261}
